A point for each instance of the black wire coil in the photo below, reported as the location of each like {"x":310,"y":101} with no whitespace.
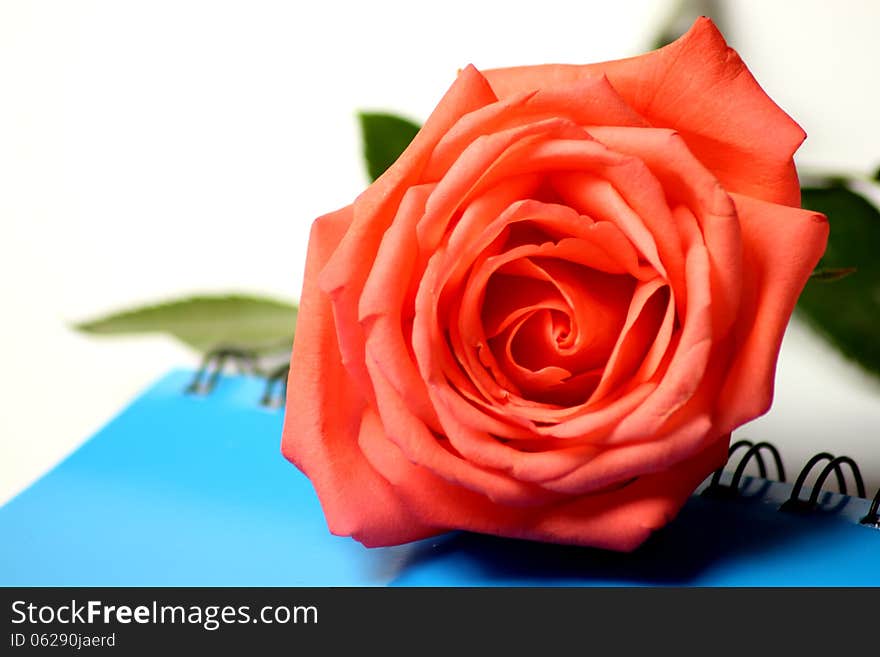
{"x":835,"y":465}
{"x":795,"y":503}
{"x":245,"y":361}
{"x":276,"y":387}
{"x":753,"y":451}
{"x":872,"y":519}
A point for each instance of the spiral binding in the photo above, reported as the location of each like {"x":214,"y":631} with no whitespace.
{"x":872,"y":519}
{"x":754,"y":451}
{"x":276,"y":387}
{"x":794,"y":503}
{"x":245,"y":361}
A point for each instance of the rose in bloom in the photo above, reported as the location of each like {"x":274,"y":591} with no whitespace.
{"x":545,"y":319}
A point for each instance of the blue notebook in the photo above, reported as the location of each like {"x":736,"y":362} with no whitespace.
{"x":186,"y":489}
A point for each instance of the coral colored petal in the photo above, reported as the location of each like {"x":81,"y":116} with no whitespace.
{"x":445,"y":271}
{"x":623,"y":190}
{"x":384,"y":309}
{"x":687,"y":181}
{"x":654,"y":454}
{"x":623,"y":519}
{"x":596,"y":420}
{"x":597,"y":304}
{"x":593,"y":299}
{"x":346,"y":270}
{"x":480,"y":229}
{"x":530,"y":370}
{"x":510,"y":298}
{"x":773,"y":280}
{"x":700,"y":87}
{"x":324,"y":412}
{"x":597,"y":197}
{"x":661,"y":345}
{"x":422,"y":447}
{"x":688,"y":362}
{"x":599,"y":245}
{"x":643,"y":321}
{"x":476,"y":164}
{"x":618,"y":519}
{"x":587,"y":101}
{"x":387,"y":284}
{"x":549,"y":461}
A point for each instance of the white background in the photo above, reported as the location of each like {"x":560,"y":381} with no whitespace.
{"x":154,"y":149}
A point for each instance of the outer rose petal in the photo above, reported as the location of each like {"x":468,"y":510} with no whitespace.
{"x":700,"y":87}
{"x":623,"y":519}
{"x":346,"y":270}
{"x":773,"y":279}
{"x":619,"y":519}
{"x":322,"y":420}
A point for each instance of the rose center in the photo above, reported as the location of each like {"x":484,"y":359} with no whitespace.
{"x":552,"y":324}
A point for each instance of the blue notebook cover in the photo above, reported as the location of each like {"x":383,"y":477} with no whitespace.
{"x":192,"y":490}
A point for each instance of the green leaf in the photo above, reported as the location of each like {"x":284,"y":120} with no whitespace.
{"x":385,"y":137}
{"x":206,"y":322}
{"x":847,"y":312}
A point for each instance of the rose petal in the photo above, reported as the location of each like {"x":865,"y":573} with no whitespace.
{"x":587,"y":101}
{"x":639,"y":332}
{"x":773,"y":280}
{"x":654,"y":453}
{"x":384,"y":309}
{"x":476,"y":165}
{"x":324,"y":412}
{"x":623,"y":519}
{"x":593,"y":299}
{"x":701,"y":88}
{"x":609,"y":186}
{"x":523,"y":352}
{"x":420,"y":446}
{"x":688,"y":362}
{"x":437,"y":362}
{"x":619,"y":519}
{"x":346,"y":270}
{"x":598,"y":245}
{"x":686,"y":180}
{"x":507,"y":415}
